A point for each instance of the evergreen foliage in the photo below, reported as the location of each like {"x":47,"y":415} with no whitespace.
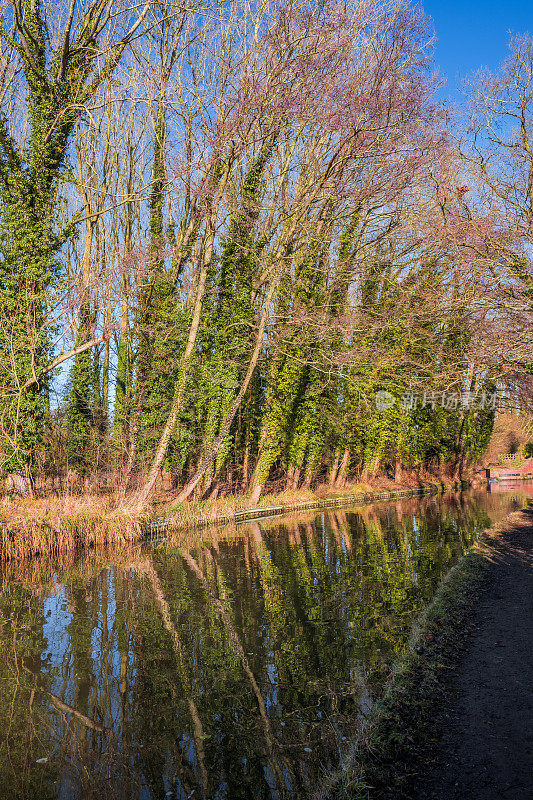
{"x":292,"y":266}
{"x":58,"y":82}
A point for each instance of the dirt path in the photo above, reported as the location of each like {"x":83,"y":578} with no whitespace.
{"x":483,"y":748}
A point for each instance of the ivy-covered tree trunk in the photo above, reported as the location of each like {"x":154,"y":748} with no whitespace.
{"x":27,"y":267}
{"x":79,"y":417}
{"x":59,"y":83}
{"x":287,"y":424}
{"x":84,"y":401}
{"x":219,"y":180}
{"x":158,"y":325}
{"x":123,"y":374}
{"x":232,"y":318}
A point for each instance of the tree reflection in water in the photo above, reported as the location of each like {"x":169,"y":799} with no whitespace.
{"x":237,"y":668}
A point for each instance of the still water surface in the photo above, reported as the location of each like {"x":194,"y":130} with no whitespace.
{"x":238,"y":667}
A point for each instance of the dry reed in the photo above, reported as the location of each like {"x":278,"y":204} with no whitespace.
{"x":55,"y":525}
{"x":52,"y":526}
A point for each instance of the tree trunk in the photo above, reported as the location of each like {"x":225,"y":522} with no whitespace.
{"x":228,"y":419}
{"x":244,"y":481}
{"x":341,"y":475}
{"x":120,"y":425}
{"x":295,"y":479}
{"x":105,"y":385}
{"x":140,"y":499}
{"x":308,"y":477}
{"x":334,"y":467}
{"x":256,"y":494}
{"x":398,"y":471}
{"x":289,"y":478}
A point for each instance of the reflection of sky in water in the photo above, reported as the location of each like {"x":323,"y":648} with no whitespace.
{"x":55,"y":629}
{"x":318,"y":609}
{"x":58,"y":655}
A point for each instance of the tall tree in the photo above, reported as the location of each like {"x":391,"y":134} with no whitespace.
{"x":62,"y":68}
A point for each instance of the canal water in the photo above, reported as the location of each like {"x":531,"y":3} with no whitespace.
{"x":238,"y":666}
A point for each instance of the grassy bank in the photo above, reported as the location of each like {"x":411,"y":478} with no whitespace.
{"x":198,"y":514}
{"x":34,"y":527}
{"x":401,"y":722}
{"x":52,"y":526}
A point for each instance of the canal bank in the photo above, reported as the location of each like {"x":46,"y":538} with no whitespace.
{"x":46,"y":527}
{"x":455,"y":721}
{"x":315,"y":502}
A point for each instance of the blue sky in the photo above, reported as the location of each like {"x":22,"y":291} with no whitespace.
{"x":472,"y":34}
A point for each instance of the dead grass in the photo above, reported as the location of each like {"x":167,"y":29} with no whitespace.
{"x":198,"y":513}
{"x":31,"y":527}
{"x":229,"y":504}
{"x":54,"y":525}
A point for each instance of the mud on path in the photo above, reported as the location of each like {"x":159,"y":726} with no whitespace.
{"x":483,"y":744}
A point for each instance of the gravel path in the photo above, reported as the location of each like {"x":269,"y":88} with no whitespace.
{"x":483,"y":749}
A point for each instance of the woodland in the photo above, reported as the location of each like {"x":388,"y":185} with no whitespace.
{"x":245,"y":246}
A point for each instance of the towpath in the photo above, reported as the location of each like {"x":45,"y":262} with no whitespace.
{"x":483,"y":747}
